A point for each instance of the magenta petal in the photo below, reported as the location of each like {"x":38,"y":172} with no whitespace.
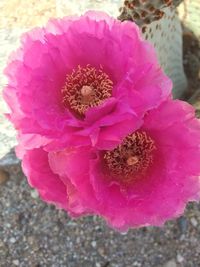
{"x":65,"y":165}
{"x":37,"y":73}
{"x":36,"y":167}
{"x":162,"y":194}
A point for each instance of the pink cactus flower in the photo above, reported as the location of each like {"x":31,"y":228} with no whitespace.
{"x":82,"y":81}
{"x":145,"y":180}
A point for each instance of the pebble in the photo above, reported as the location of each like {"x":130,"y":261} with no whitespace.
{"x":8,"y":225}
{"x":15,"y":262}
{"x":194,"y":222}
{"x":94,"y":244}
{"x":12,"y":240}
{"x":179,"y":258}
{"x":34,"y":194}
{"x":137,"y":264}
{"x":182,"y":224}
{"x":170,"y":263}
{"x":101,"y":251}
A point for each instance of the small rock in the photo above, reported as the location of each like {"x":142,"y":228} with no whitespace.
{"x":8,"y":225}
{"x":182,"y":237}
{"x":98,"y":264}
{"x":194,"y":222}
{"x":182,"y":224}
{"x":34,"y":194}
{"x":16,"y":262}
{"x":78,"y":240}
{"x":170,"y":263}
{"x":136,"y":263}
{"x":3,"y":176}
{"x":94,"y":244}
{"x":12,"y":240}
{"x":101,"y":251}
{"x":124,"y":233}
{"x":179,"y":258}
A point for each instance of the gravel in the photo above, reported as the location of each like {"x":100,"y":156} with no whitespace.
{"x":33,"y":233}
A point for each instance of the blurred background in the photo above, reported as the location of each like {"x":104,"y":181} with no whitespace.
{"x":35,"y":234}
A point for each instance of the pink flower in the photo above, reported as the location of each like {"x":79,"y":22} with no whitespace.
{"x":82,"y":81}
{"x":145,"y":180}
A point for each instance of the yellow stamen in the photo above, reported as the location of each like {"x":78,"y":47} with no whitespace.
{"x":132,"y":157}
{"x":86,"y":87}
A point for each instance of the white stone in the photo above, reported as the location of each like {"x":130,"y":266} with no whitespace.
{"x":94,"y":244}
{"x":136,"y":263}
{"x":194,"y":222}
{"x":16,"y":262}
{"x":34,"y":194}
{"x":179,"y":258}
{"x":170,"y":263}
{"x":12,"y":240}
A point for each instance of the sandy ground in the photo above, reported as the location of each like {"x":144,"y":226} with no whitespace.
{"x":35,"y":234}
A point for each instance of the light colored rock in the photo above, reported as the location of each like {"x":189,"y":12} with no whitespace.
{"x":34,"y":194}
{"x":170,"y":263}
{"x":194,"y":222}
{"x":94,"y":244}
{"x":12,"y":240}
{"x":16,"y":262}
{"x":136,"y":263}
{"x":179,"y":258}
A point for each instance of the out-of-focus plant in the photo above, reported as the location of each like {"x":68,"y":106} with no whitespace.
{"x":161,"y":26}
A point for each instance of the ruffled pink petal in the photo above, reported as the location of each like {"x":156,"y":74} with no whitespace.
{"x":29,"y":142}
{"x":36,"y":167}
{"x":65,"y":165}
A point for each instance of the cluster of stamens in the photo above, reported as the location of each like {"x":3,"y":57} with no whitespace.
{"x":86,"y":87}
{"x":132,"y":157}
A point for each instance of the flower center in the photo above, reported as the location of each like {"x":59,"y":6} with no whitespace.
{"x":132,"y":157}
{"x":86,"y":87}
